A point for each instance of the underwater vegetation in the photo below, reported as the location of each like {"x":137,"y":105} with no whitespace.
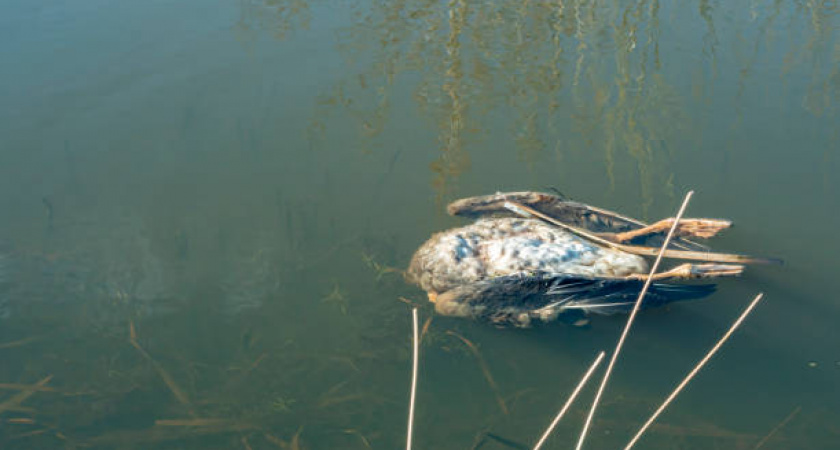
{"x":123,"y":374}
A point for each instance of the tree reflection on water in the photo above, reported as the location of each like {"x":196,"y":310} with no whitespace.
{"x":624,"y":79}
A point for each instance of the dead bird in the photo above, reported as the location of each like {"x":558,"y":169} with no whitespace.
{"x":562,"y":260}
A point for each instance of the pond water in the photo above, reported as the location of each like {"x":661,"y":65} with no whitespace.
{"x":205,"y":208}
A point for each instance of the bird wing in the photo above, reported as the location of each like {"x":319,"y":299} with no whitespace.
{"x":540,"y":291}
{"x":572,"y":213}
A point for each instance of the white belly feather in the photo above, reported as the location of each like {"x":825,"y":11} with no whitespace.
{"x":497,"y":247}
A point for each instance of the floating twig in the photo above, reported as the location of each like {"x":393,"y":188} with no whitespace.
{"x":694,"y":371}
{"x":164,"y":375}
{"x":358,"y":434}
{"x":413,"y":395}
{"x":197,"y":422}
{"x":484,"y":369}
{"x":21,"y":420}
{"x":571,"y":400}
{"x":20,"y":342}
{"x":32,"y":433}
{"x":163,"y":433}
{"x":333,"y":390}
{"x":630,"y":320}
{"x":276,"y":440}
{"x":25,"y":387}
{"x":408,"y":302}
{"x":14,"y":401}
{"x":294,"y":444}
{"x":425,"y":328}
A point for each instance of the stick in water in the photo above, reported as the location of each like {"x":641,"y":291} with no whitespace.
{"x":571,"y":400}
{"x":413,"y":381}
{"x":630,"y":319}
{"x":694,"y":371}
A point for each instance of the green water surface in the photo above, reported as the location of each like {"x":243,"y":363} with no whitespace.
{"x":205,"y":207}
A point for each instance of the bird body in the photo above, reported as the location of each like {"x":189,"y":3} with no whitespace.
{"x":514,"y":270}
{"x":498,"y":247}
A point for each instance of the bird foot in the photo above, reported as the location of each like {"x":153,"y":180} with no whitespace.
{"x":694,"y":272}
{"x":700,"y":228}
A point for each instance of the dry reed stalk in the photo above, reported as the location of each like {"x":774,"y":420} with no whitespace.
{"x":416,"y":346}
{"x":484,"y":369}
{"x":333,"y":390}
{"x":198,"y":422}
{"x":425,"y":328}
{"x":523,"y":210}
{"x":164,"y":375}
{"x":408,"y":302}
{"x":233,"y":381}
{"x":19,"y":342}
{"x":276,"y":440}
{"x":571,"y":400}
{"x":778,"y":427}
{"x":21,"y":421}
{"x":694,"y":371}
{"x":361,"y":437}
{"x":513,"y":398}
{"x":25,"y":387}
{"x":14,"y":401}
{"x":31,"y":433}
{"x":294,"y":444}
{"x":630,"y":320}
{"x":479,"y":440}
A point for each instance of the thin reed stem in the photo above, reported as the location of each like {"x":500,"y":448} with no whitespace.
{"x":694,"y":371}
{"x":571,"y":400}
{"x":630,"y":320}
{"x":413,"y":381}
{"x":778,"y":427}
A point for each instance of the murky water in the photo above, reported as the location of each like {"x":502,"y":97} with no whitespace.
{"x":204,"y":209}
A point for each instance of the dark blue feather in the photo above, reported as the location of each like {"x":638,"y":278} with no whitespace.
{"x":507,"y":298}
